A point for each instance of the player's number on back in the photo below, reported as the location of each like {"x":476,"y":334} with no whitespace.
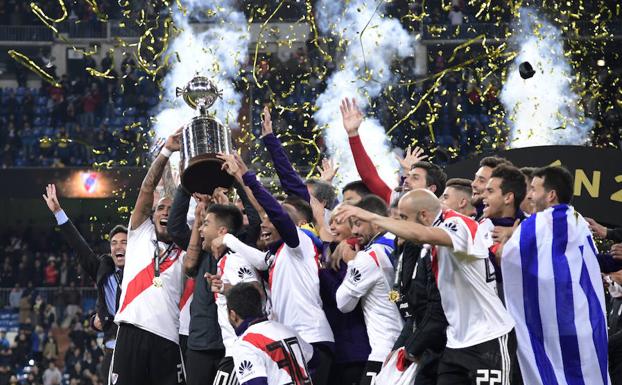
{"x":488,"y":377}
{"x":286,"y":350}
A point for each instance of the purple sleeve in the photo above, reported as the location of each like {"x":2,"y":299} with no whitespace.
{"x":279,"y":218}
{"x":290,"y":180}
{"x":256,"y":381}
{"x":607,"y":263}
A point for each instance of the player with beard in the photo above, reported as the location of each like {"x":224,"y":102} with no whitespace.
{"x":486,"y":165}
{"x":105,"y":270}
{"x":525,"y":205}
{"x":368,"y":280}
{"x":293,"y":265}
{"x":480,"y":342}
{"x":502,"y":197}
{"x":147,"y":349}
{"x":457,"y":196}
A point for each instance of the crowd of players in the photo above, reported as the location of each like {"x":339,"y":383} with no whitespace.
{"x":299,"y":289}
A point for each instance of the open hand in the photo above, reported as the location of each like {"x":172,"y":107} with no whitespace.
{"x":411,"y":157}
{"x":219,"y":196}
{"x":327,"y":170}
{"x":50,"y":198}
{"x":266,"y":122}
{"x":233,"y":165}
{"x":351,"y":115}
{"x":345,"y":212}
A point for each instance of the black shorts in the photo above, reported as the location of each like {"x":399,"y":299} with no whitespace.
{"x":372,"y":368}
{"x":491,"y":362}
{"x":226,"y":374}
{"x":141,"y":357}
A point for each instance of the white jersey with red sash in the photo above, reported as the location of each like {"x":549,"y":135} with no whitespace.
{"x":143,"y":304}
{"x":274,"y":352}
{"x":234,"y":269}
{"x":369,"y":279}
{"x":466,"y":282}
{"x":184,"y":307}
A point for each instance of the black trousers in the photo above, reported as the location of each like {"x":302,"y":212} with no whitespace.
{"x":143,"y":358}
{"x":319,"y":367}
{"x":489,"y":362}
{"x":202,"y":365}
{"x":226,"y":373}
{"x":346,"y":374}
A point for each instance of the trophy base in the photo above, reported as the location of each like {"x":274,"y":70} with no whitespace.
{"x":203,"y":174}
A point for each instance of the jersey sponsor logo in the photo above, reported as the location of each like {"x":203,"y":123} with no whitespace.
{"x":355,"y":275}
{"x":244,"y":272}
{"x":113,"y":378}
{"x":451,"y":226}
{"x":245,"y":368}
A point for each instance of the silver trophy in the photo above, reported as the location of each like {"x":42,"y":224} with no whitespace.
{"x":202,"y":139}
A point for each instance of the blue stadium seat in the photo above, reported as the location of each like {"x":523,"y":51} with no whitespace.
{"x":118,"y":111}
{"x":130,"y":111}
{"x":21,"y":91}
{"x":42,"y":100}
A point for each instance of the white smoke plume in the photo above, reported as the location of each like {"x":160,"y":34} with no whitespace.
{"x":217,"y":53}
{"x":542,"y":110}
{"x":383,"y":41}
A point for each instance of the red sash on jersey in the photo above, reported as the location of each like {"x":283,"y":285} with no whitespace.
{"x":144,"y":279}
{"x":188,"y":290}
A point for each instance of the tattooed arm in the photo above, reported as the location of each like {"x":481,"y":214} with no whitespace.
{"x":144,"y":202}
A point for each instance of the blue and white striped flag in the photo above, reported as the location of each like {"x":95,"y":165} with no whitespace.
{"x":554,"y":292}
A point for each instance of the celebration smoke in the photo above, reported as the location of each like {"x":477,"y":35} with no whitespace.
{"x":365,"y":70}
{"x":542,"y":110}
{"x":217,"y":53}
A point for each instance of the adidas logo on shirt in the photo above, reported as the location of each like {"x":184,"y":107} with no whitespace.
{"x":245,"y":368}
{"x":355,"y":275}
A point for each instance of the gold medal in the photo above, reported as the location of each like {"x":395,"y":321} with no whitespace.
{"x":157,"y":282}
{"x":394,"y":296}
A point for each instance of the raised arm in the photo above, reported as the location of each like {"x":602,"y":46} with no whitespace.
{"x":254,"y":219}
{"x":278,"y":216}
{"x":290,"y":180}
{"x":88,"y":259}
{"x":144,"y":202}
{"x":194,"y":249}
{"x":404,"y":229}
{"x":177,"y":224}
{"x":352,"y":119}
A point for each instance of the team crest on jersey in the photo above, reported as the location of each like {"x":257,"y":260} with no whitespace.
{"x":113,"y":378}
{"x":245,"y":368}
{"x":244,"y":272}
{"x":355,"y":275}
{"x":451,"y":226}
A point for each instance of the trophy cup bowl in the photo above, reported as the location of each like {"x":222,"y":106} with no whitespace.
{"x":202,"y":139}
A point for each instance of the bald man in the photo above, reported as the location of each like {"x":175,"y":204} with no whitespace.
{"x":480,"y":341}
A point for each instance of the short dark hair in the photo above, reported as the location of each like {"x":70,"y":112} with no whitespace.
{"x":302,"y":207}
{"x":228,"y":215}
{"x":374,"y":204}
{"x":322,"y":191}
{"x":493,"y":161}
{"x":557,"y":178}
{"x":528,"y":172}
{"x":358,"y":187}
{"x":245,"y":300}
{"x":434,"y":176}
{"x":460,"y":184}
{"x":512,"y":180}
{"x":116,"y":230}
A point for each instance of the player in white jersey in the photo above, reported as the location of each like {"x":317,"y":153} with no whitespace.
{"x":369,"y":277}
{"x":266,"y":352}
{"x":233,"y":269}
{"x":147,"y":349}
{"x":480,"y":341}
{"x":293,"y":265}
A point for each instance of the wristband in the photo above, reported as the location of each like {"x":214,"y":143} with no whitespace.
{"x":166,"y":152}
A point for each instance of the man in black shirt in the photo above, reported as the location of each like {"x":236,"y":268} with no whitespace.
{"x":106,"y":270}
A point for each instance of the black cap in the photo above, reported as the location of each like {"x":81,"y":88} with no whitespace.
{"x":526,"y":70}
